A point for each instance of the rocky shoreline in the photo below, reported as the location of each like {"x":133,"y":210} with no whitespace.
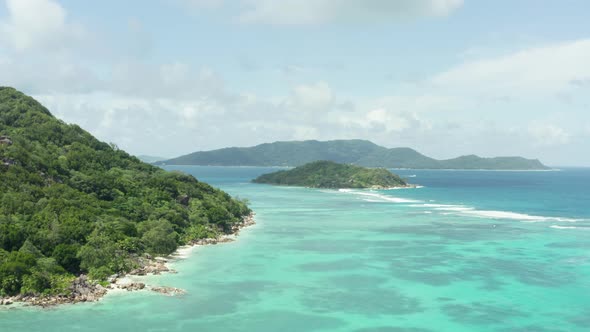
{"x":84,"y":290}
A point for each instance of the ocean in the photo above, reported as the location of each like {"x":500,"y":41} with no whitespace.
{"x":467,"y":251}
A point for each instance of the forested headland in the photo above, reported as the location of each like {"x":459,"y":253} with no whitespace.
{"x":71,"y":204}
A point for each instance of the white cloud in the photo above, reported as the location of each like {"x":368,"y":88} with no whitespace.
{"x":381,"y":120}
{"x":37,"y":24}
{"x":390,"y":121}
{"x":548,"y":135}
{"x":141,"y":124}
{"x":316,"y":96}
{"x":535,"y":71}
{"x":301,"y":12}
{"x":168,"y":80}
{"x":49,"y":75}
{"x":391,"y":116}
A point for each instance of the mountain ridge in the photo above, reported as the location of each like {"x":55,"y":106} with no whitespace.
{"x":356,"y":151}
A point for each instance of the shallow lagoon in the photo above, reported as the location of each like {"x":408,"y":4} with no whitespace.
{"x":471,"y":251}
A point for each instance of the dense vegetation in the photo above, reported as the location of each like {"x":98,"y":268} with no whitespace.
{"x":70,"y":204}
{"x":358,"y":152}
{"x":328,"y":174}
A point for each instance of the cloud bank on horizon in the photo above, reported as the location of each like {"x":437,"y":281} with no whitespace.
{"x":446,"y":77}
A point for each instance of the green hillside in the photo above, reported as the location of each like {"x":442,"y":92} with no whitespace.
{"x":328,"y":174}
{"x":475,"y":162}
{"x":358,"y":152}
{"x":70,"y":204}
{"x":398,"y":158}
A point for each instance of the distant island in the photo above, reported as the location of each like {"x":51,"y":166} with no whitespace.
{"x":74,"y":210}
{"x":328,"y":174}
{"x":358,"y":152}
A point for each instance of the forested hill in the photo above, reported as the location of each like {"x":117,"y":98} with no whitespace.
{"x":70,"y":204}
{"x":359,"y":152}
{"x":328,"y":174}
{"x":293,"y":153}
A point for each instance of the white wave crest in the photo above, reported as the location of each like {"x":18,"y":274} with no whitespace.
{"x":491,"y":214}
{"x":515,"y":216}
{"x":443,"y":207}
{"x":382,"y":198}
{"x":563,"y":227}
{"x":388,"y":198}
{"x":373,"y":200}
{"x":454,"y":209}
{"x":457,"y":208}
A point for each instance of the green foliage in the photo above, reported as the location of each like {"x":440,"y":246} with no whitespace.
{"x":14,"y":267}
{"x":358,"y":152}
{"x":46,"y":277}
{"x":328,"y":174}
{"x":70,"y":204}
{"x":196,"y":232}
{"x":66,"y":255}
{"x":158,"y":236}
{"x":100,"y":273}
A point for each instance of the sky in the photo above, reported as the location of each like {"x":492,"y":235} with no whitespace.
{"x":445,"y":77}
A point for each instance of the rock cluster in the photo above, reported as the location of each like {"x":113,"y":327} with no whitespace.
{"x":5,"y":140}
{"x":245,"y":222}
{"x":5,"y":301}
{"x":134,"y":286}
{"x":212,"y":241}
{"x":235,"y":230}
{"x":169,"y":291}
{"x":151,"y":266}
{"x":81,"y":290}
{"x":7,"y":162}
{"x":183,"y":199}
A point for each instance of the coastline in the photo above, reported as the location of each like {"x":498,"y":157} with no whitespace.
{"x":84,"y":290}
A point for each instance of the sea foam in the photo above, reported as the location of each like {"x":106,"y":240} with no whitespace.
{"x":565,"y":227}
{"x":456,"y":209}
{"x":383,"y":198}
{"x":515,"y":216}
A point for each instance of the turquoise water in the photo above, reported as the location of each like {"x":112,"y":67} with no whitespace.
{"x":471,"y":251}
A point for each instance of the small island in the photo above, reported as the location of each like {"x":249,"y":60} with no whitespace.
{"x":328,"y":174}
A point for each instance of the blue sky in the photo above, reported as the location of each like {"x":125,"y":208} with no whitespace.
{"x":446,"y":77}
